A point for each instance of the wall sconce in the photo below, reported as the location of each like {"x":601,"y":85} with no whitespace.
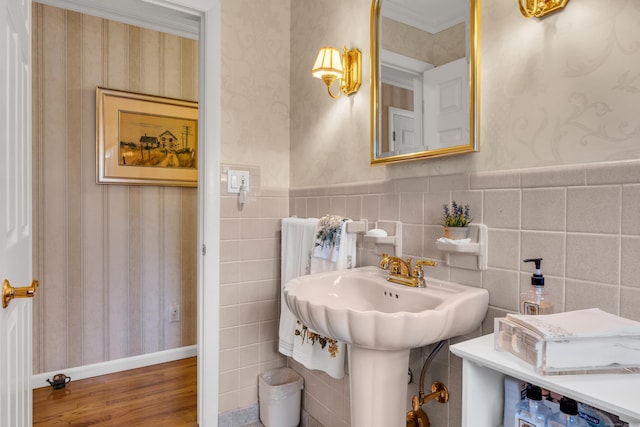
{"x":330,"y":66}
{"x":540,"y":8}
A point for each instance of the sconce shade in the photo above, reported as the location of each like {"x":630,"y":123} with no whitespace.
{"x":331,"y":65}
{"x":328,"y":65}
{"x":540,"y":8}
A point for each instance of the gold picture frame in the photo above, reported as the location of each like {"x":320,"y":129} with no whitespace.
{"x":145,"y":139}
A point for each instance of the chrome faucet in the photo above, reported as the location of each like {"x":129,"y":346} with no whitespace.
{"x":400,"y":270}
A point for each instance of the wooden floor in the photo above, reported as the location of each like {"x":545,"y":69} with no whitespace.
{"x":159,"y":395}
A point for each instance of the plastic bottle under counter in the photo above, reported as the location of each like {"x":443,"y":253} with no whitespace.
{"x":532,"y":412}
{"x":568,"y":415}
{"x":483,"y":374}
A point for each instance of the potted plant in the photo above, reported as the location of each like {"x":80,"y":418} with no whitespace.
{"x":455,"y":219}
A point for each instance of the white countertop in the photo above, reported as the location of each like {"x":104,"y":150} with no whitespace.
{"x":615,"y":393}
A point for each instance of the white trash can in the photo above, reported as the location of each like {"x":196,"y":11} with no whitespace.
{"x":279,"y":393}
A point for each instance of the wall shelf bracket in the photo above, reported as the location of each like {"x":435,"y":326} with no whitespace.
{"x":472,"y":255}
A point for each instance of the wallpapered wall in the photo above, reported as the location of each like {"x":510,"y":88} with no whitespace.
{"x":329,"y":137}
{"x":110,"y":258}
{"x":255,"y":87}
{"x":561,"y":90}
{"x":437,"y":49}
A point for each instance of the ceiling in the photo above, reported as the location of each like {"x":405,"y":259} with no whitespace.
{"x":432,"y":16}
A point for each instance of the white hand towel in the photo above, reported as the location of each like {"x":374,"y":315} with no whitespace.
{"x":310,"y":349}
{"x":343,"y":252}
{"x":454,"y":241}
{"x":296,"y":244}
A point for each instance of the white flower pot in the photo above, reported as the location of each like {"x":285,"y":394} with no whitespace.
{"x":456,"y":233}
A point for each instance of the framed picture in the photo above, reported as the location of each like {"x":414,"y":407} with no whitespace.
{"x":146,"y":140}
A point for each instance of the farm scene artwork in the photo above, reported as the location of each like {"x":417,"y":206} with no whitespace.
{"x":157,"y":141}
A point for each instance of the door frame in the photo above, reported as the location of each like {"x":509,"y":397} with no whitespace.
{"x":198,"y":19}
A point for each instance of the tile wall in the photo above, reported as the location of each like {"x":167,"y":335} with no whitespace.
{"x":581,"y":219}
{"x":249,"y":289}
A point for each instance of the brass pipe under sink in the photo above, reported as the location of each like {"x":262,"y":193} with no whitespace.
{"x":417,"y":417}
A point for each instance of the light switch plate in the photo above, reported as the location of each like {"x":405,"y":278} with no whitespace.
{"x":235,"y":179}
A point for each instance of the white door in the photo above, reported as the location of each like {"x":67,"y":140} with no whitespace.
{"x":402,"y":133}
{"x":15,"y":212}
{"x":446,"y":99}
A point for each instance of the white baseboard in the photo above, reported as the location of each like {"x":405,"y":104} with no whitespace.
{"x":103,"y":368}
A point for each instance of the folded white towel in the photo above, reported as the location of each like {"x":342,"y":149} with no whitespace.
{"x":333,"y":237}
{"x":585,"y":323}
{"x":310,"y":349}
{"x":588,"y":338}
{"x":297,"y":239}
{"x":454,"y":241}
{"x":327,"y":241}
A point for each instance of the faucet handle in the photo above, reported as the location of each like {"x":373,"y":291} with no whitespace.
{"x":385,"y":262}
{"x":427,"y":262}
{"x":418,"y":272}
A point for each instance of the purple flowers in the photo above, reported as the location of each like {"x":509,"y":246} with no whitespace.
{"x":456,"y":215}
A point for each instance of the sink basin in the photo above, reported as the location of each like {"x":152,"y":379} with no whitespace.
{"x":360,"y":307}
{"x":380,"y":322}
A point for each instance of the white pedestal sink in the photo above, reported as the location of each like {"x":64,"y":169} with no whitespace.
{"x":381,"y":322}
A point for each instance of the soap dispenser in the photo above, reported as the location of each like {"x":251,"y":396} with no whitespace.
{"x":536,"y":300}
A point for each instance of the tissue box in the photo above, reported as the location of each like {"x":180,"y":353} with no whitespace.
{"x":570,"y":343}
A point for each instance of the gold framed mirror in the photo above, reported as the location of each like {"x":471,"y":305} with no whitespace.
{"x":424,"y":79}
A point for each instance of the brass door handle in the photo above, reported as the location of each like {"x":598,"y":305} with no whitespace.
{"x":9,"y":292}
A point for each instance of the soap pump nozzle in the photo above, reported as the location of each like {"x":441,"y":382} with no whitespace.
{"x":537,"y":279}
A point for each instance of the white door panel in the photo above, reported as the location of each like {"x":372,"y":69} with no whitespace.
{"x":446,"y":91}
{"x":403,"y":137}
{"x":15,"y":211}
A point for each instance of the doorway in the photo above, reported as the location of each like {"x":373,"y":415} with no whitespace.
{"x":93,"y":265}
